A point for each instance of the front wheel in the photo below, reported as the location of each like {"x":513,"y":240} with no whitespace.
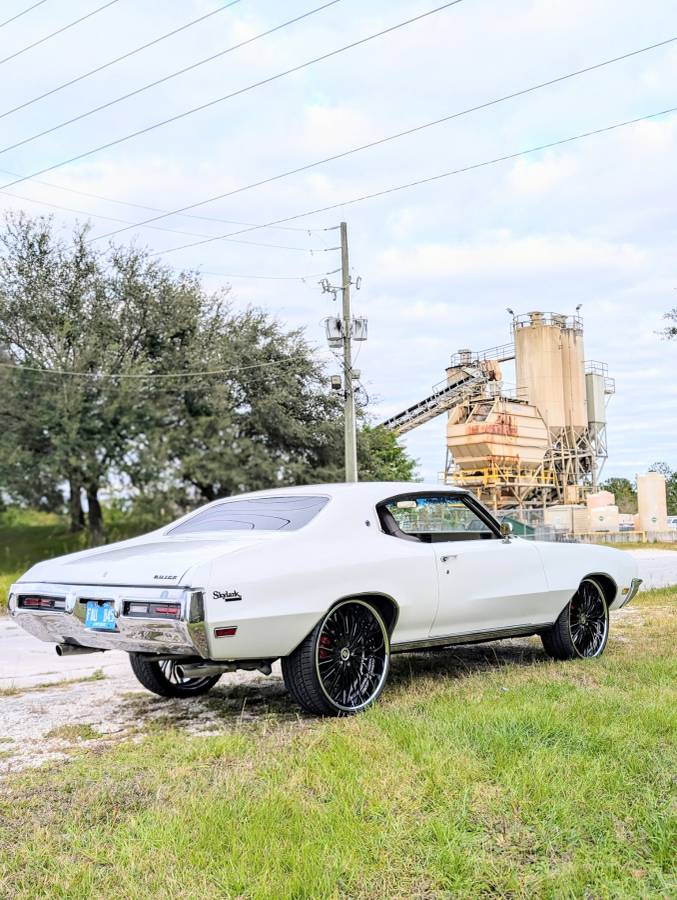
{"x":342,"y":666}
{"x":582,"y":629}
{"x":162,"y":678}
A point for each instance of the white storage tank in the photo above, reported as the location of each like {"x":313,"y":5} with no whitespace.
{"x":595,"y":384}
{"x":652,"y":502}
{"x":604,"y":518}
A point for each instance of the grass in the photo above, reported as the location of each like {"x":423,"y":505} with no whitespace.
{"x":27,"y":537}
{"x":71,"y":733}
{"x":485,"y":772}
{"x":640,"y":545}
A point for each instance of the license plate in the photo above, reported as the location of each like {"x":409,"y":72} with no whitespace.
{"x":100,"y":615}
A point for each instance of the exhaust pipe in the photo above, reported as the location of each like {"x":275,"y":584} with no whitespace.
{"x":75,"y":650}
{"x":207,"y":670}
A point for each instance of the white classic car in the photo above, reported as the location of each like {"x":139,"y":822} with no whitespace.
{"x":331,"y":579}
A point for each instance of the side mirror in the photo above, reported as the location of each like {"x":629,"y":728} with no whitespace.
{"x":506,"y":531}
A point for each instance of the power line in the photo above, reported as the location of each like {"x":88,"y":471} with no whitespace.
{"x":272,"y":277}
{"x":162,"y":80}
{"x":112,"y":62}
{"x":237,"y":93}
{"x":137,"y":375}
{"x":391,"y":137}
{"x":82,"y":212}
{"x":22,"y":13}
{"x":432,"y":178}
{"x":59,"y":187}
{"x":58,"y":31}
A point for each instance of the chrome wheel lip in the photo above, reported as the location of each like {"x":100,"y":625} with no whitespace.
{"x":386,"y":663}
{"x":602,"y":641}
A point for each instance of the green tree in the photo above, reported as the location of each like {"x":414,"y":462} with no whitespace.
{"x":99,"y":386}
{"x":381,"y":457}
{"x":76,"y":326}
{"x":624,"y":491}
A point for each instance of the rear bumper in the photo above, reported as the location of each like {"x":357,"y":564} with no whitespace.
{"x":632,"y":592}
{"x":182,"y":636}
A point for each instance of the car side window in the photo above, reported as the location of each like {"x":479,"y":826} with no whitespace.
{"x":434,"y":518}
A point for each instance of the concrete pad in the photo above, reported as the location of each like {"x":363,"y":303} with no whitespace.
{"x":657,"y":568}
{"x":25,"y":661}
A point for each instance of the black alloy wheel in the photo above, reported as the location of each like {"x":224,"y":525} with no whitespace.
{"x":342,"y":666}
{"x":582,"y":628}
{"x":588,"y":620}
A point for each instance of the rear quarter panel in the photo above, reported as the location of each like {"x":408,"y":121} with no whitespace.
{"x":288,"y":584}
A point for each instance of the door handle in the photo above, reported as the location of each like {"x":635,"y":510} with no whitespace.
{"x":448,"y":556}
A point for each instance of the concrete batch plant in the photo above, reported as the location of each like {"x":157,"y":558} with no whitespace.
{"x":539,"y":444}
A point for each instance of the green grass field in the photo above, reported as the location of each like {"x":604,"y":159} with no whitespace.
{"x":27,"y":537}
{"x":485,"y":772}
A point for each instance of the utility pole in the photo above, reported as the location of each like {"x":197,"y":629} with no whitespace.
{"x":348,"y":383}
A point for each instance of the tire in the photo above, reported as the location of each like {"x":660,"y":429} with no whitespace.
{"x":161,"y":678}
{"x":342,"y":666}
{"x":582,"y":628}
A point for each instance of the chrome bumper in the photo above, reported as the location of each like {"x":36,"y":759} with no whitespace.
{"x":632,"y":592}
{"x":183,"y":636}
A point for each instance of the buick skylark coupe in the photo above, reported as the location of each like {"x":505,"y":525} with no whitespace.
{"x":330,"y":579}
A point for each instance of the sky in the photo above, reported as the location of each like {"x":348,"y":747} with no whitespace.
{"x":588,"y":222}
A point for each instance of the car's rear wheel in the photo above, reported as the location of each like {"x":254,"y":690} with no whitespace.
{"x":161,"y":677}
{"x":582,"y":629}
{"x":342,"y":666}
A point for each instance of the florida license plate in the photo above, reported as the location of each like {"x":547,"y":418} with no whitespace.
{"x":100,"y":615}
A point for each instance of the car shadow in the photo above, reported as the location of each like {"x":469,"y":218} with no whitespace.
{"x":254,"y":700}
{"x":463,"y":660}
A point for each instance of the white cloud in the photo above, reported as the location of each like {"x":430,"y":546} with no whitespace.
{"x":512,"y":257}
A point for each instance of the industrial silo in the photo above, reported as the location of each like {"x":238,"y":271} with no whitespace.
{"x":573,"y":376}
{"x":538,"y":364}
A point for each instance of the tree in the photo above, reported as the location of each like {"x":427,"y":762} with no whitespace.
{"x":80,"y":330}
{"x":381,"y":457}
{"x":670,"y":330}
{"x":265,"y":418}
{"x":119,"y":371}
{"x":624,"y":491}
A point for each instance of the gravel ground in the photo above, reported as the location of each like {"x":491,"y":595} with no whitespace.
{"x":47,"y":709}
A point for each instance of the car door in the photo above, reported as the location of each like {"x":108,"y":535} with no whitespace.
{"x":485,"y":583}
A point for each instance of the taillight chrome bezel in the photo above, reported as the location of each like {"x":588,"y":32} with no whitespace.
{"x":40,"y":603}
{"x":162,"y":610}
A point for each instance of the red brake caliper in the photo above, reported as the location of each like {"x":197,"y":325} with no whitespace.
{"x":325,"y":642}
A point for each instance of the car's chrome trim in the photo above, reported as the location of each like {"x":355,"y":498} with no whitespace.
{"x":185,"y":636}
{"x":469,"y":637}
{"x":632,"y":592}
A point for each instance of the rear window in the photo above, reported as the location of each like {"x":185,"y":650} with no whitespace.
{"x":260,"y":514}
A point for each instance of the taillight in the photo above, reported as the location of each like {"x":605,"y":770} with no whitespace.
{"x":152,"y":610}
{"x":172,"y":610}
{"x":36,"y":602}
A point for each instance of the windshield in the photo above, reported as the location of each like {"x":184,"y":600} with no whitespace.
{"x":260,"y":514}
